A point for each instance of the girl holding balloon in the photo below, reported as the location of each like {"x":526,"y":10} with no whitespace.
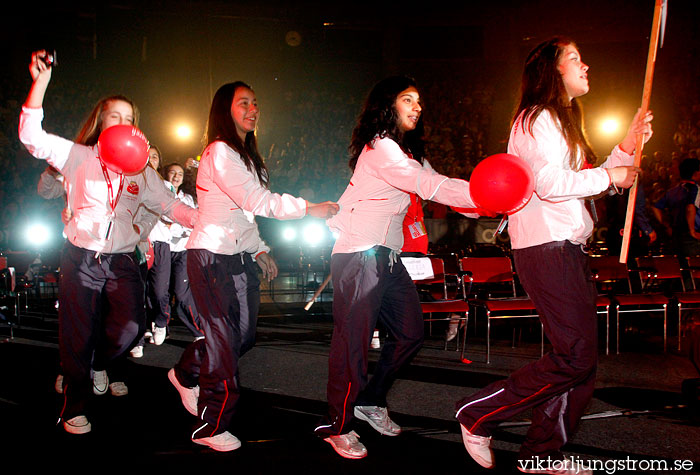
{"x":101,"y":298}
{"x":548,"y":236}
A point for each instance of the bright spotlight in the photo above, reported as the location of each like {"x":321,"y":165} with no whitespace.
{"x":289,"y":234}
{"x":609,"y":126}
{"x":38,"y":234}
{"x":183,"y":131}
{"x":313,"y":234}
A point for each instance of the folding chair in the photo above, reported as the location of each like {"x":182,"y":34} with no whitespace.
{"x":607,"y":272}
{"x":428,"y":271}
{"x":452,"y":272}
{"x":492,"y":271}
{"x":688,"y":299}
{"x":653,"y":273}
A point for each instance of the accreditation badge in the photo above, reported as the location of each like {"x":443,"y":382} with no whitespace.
{"x":417,"y":229}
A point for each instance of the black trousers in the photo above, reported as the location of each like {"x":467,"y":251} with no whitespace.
{"x":248,"y":291}
{"x":368,"y":287}
{"x":169,"y":271}
{"x":226,"y":290}
{"x":158,"y":285}
{"x":101,"y":315}
{"x":180,"y":284}
{"x":559,"y":386}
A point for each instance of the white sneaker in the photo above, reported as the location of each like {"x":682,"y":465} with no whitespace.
{"x":100,"y":382}
{"x":479,"y":447}
{"x":159,"y":335}
{"x":378,"y":418}
{"x":77,"y":425}
{"x":58,"y":386}
{"x":189,"y":396}
{"x":224,"y":442}
{"x":452,"y":328}
{"x":375,"y":340}
{"x":136,"y":352}
{"x":118,"y":388}
{"x":347,"y":445}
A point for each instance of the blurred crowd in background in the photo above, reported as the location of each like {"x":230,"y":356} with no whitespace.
{"x":307,"y":152}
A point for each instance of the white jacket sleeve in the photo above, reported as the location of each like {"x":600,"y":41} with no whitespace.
{"x":390,"y":164}
{"x":547,"y":154}
{"x":38,"y":142}
{"x":50,"y":186}
{"x":145,"y":219}
{"x":618,"y":158}
{"x":160,"y":200}
{"x":243,"y":187}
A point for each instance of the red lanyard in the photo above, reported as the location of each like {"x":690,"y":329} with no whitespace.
{"x":414,"y":202}
{"x":112,"y":202}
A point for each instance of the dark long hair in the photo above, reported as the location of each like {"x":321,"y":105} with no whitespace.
{"x":220,"y":126}
{"x":543,"y":89}
{"x":379,"y":117}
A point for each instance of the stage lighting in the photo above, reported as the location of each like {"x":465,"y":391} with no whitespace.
{"x":609,"y":126}
{"x":289,"y":233}
{"x":313,"y":234}
{"x":183,"y":131}
{"x":38,"y":234}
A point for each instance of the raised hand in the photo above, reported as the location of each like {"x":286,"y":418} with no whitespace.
{"x":641,"y":124}
{"x":41,"y":75}
{"x":39,"y":66}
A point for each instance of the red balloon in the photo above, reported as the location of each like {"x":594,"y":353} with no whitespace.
{"x":502,"y":183}
{"x":123,"y":149}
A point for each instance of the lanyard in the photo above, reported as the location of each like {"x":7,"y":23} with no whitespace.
{"x":414,"y":202}
{"x":112,"y":201}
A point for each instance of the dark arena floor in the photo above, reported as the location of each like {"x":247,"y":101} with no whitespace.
{"x":639,"y":417}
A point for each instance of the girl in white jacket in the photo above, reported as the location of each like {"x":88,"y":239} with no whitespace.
{"x":100,"y":291}
{"x":370,"y":283}
{"x":548,"y":237}
{"x":231,"y":179}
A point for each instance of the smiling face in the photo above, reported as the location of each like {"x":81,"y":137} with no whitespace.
{"x":408,"y":109}
{"x":573,"y":71}
{"x":153,"y":158}
{"x":175,"y":176}
{"x":244,"y":111}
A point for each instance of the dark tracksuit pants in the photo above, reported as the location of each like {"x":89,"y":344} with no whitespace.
{"x":367,"y":288}
{"x":158,"y":285}
{"x":101,"y":314}
{"x":180,"y":283}
{"x":248,"y":290}
{"x":559,"y":386}
{"x":226,"y":290}
{"x":169,"y":269}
